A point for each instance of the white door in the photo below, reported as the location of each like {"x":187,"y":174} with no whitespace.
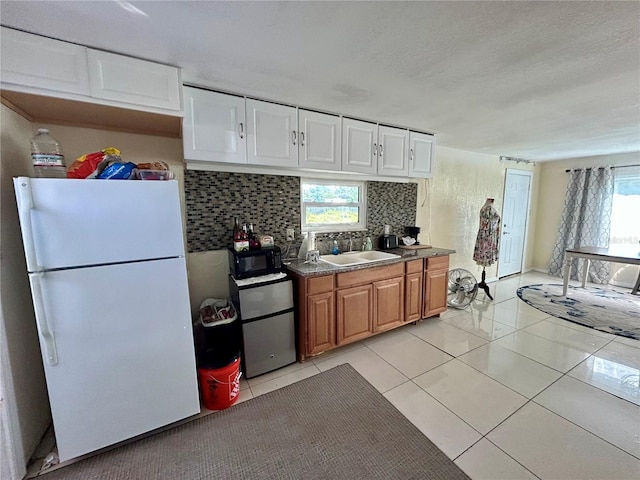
{"x":214,"y":126}
{"x":70,"y":223}
{"x":393,"y":151}
{"x":515,"y":212}
{"x":118,"y":351}
{"x":359,"y":146}
{"x":130,"y":80}
{"x":272,"y":134}
{"x":422,"y":149}
{"x":320,"y":140}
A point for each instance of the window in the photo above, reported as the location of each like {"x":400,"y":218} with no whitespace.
{"x":625,"y":226}
{"x":330,"y":206}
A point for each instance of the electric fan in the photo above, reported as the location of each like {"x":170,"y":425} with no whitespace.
{"x":463,"y":288}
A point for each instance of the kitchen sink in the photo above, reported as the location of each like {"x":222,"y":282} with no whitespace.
{"x":357,"y":258}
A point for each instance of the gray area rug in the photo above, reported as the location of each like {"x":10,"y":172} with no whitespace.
{"x":334,"y":425}
{"x":603,"y":309}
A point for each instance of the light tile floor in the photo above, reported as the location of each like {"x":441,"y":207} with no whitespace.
{"x":503,"y":389}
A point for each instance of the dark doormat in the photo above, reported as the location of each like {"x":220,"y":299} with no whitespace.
{"x":334,"y":425}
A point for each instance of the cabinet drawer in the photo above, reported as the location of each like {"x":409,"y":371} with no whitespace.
{"x":319,"y":284}
{"x":368,"y":275}
{"x":437,"y":263}
{"x":414,"y":266}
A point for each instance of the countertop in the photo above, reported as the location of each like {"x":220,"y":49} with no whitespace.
{"x":300,"y":267}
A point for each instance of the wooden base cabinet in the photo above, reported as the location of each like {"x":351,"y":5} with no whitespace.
{"x":321,"y":323}
{"x":436,"y":277}
{"x":388,"y":305}
{"x":354,"y":313}
{"x":413,"y":291}
{"x":346,"y":307}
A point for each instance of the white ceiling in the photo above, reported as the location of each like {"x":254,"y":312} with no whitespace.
{"x":527,"y":79}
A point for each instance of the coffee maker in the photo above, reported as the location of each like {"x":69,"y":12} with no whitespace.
{"x":413,"y":232}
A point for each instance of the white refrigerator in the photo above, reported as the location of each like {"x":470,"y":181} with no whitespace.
{"x":107,"y":269}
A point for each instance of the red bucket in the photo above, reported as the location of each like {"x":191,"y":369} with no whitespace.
{"x":220,"y":387}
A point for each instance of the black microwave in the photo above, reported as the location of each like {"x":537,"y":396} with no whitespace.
{"x":253,"y":263}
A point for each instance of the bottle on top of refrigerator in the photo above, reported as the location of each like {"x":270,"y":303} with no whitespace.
{"x":46,"y":155}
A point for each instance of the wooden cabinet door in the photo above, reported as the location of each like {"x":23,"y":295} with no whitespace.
{"x":321,"y":323}
{"x":213,"y":127}
{"x":42,"y":63}
{"x":319,"y":142}
{"x":359,"y":146}
{"x":272,"y":134}
{"x":354,"y":313}
{"x":435,"y":292}
{"x":413,"y":297}
{"x":130,"y":80}
{"x":393,"y":151}
{"x":388,"y":304}
{"x":422,"y":152}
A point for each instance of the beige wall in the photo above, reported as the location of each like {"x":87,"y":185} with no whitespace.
{"x":449,"y":203}
{"x":553,"y":186}
{"x":25,"y":411}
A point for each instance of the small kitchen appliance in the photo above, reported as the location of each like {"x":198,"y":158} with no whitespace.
{"x":388,"y":242}
{"x":255,"y":263}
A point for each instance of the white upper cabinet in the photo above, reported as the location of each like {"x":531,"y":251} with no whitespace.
{"x":359,"y":146}
{"x":39,"y":62}
{"x":214,"y":127}
{"x":319,"y":140}
{"x":393,"y":151}
{"x":129,"y":80}
{"x":43,"y":66}
{"x":272,"y":134}
{"x":422,"y":148}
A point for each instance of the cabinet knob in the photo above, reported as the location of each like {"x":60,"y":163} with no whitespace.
{"x":293,"y":137}
{"x":375,"y":149}
{"x":302,"y":139}
{"x":241,"y":130}
{"x":411,"y":154}
{"x":380,"y":148}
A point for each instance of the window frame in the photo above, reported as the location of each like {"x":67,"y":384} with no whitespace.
{"x":361,"y":225}
{"x":632,"y":172}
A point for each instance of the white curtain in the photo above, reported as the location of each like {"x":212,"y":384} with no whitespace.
{"x":585,"y":221}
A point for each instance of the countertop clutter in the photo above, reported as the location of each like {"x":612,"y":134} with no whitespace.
{"x":302,"y":268}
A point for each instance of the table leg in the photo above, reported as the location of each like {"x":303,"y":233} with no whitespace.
{"x":637,"y":285}
{"x":567,"y":272}
{"x":585,"y":271}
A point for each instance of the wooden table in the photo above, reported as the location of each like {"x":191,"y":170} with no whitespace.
{"x":629,"y":255}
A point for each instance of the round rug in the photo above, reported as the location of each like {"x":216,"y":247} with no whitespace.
{"x":602,"y":309}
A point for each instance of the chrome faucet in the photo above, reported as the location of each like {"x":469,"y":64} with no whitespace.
{"x":350,"y":243}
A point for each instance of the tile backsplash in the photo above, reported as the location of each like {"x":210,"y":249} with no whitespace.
{"x":272,"y":203}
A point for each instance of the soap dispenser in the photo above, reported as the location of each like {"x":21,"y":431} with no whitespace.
{"x":368,"y":245}
{"x":335,"y":250}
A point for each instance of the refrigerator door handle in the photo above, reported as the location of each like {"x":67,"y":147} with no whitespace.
{"x":25,"y":205}
{"x":44,"y":330}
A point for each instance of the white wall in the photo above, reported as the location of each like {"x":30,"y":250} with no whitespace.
{"x":449,"y":204}
{"x":553,"y":187}
{"x":25,"y":407}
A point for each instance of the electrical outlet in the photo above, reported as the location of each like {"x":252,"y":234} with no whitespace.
{"x":291,"y":233}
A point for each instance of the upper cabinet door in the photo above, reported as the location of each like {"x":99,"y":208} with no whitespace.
{"x":214,"y":127}
{"x":393,"y":151}
{"x":422,"y":154}
{"x":272,"y":135}
{"x":319,"y":140}
{"x":130,"y":80}
{"x":359,"y":147}
{"x":39,"y":62}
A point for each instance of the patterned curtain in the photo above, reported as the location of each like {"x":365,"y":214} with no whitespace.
{"x":585,"y":221}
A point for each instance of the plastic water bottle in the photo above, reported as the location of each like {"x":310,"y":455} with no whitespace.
{"x":46,"y":155}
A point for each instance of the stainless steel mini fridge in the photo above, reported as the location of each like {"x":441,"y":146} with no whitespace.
{"x":268,"y":327}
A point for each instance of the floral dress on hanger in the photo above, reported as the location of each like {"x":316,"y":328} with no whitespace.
{"x":485,"y":252}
